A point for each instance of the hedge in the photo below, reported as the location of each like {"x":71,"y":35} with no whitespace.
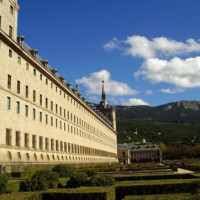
{"x":21,"y":174}
{"x":3,"y":183}
{"x":155,"y":177}
{"x":64,"y":171}
{"x":36,"y":196}
{"x":122,"y":191}
{"x":180,"y":196}
{"x":74,"y":196}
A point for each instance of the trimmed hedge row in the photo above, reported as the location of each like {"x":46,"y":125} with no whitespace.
{"x":122,"y":191}
{"x":64,"y":171}
{"x":155,"y":177}
{"x":74,"y":196}
{"x":178,"y":196}
{"x":192,"y":167}
{"x":36,"y":196}
{"x":82,"y":179}
{"x":3,"y":183}
{"x":20,"y":174}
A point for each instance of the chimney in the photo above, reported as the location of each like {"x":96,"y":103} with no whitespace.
{"x":20,"y":39}
{"x":62,"y":78}
{"x":45,"y":63}
{"x":77,"y":88}
{"x":68,"y":85}
{"x":34,"y":52}
{"x":54,"y":71}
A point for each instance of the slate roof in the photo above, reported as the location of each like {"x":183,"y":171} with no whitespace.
{"x":61,"y":79}
{"x":133,"y":147}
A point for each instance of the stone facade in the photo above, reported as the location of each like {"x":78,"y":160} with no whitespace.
{"x":130,"y":153}
{"x":42,"y":118}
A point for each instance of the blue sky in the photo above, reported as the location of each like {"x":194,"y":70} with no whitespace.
{"x":146,"y":51}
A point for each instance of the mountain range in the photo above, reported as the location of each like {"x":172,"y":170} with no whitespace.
{"x":182,"y":112}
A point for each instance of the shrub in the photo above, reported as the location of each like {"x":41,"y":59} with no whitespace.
{"x":3,"y":183}
{"x":102,"y":181}
{"x":174,"y":168}
{"x":60,"y":185}
{"x":40,"y":181}
{"x":25,"y":185}
{"x":34,"y":184}
{"x":52,"y":177}
{"x":64,"y":171}
{"x":92,"y":172}
{"x":80,"y":179}
{"x":122,"y":168}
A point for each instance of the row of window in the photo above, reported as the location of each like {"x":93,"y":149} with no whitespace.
{"x":55,"y":108}
{"x":62,"y":112}
{"x":62,"y":125}
{"x":76,"y":104}
{"x":145,"y":154}
{"x":34,"y":70}
{"x":44,"y":143}
{"x":47,"y":157}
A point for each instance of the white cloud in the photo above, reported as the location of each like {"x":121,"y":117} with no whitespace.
{"x":133,"y":102}
{"x":149,"y":92}
{"x":183,"y":73}
{"x":171,"y":91}
{"x":140,"y":46}
{"x":113,"y":44}
{"x":93,"y":98}
{"x":93,"y":83}
{"x":113,"y":101}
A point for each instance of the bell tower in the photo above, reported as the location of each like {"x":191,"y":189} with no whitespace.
{"x":104,"y":102}
{"x":108,"y":110}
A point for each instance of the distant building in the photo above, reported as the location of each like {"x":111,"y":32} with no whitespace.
{"x":131,"y":153}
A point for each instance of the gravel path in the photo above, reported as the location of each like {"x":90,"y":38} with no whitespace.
{"x":184,"y":171}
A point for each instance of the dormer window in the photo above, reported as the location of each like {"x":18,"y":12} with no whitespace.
{"x":54,"y":71}
{"x":68,"y":85}
{"x":45,"y":63}
{"x":34,"y":52}
{"x":20,"y":39}
{"x":77,"y":88}
{"x":62,"y":78}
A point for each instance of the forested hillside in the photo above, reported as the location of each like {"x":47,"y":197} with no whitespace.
{"x":183,"y":112}
{"x":171,"y":123}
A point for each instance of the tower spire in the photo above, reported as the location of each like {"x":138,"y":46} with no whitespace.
{"x":103,"y":103}
{"x":103,"y":91}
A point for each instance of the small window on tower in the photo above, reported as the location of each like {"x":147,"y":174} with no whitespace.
{"x":19,"y":60}
{"x":34,"y":72}
{"x":10,"y":53}
{"x":11,"y":10}
{"x":10,"y":31}
{"x":27,"y":66}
